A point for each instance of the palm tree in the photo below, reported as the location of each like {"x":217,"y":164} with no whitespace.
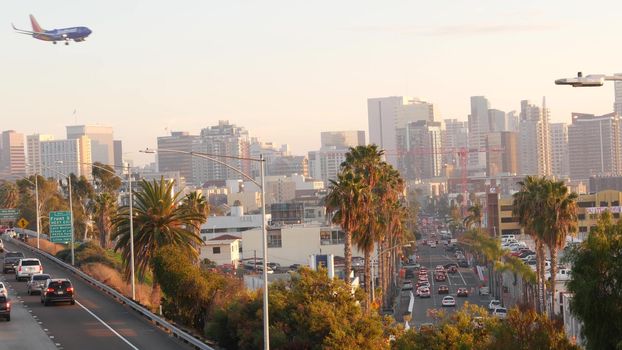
{"x":159,"y":221}
{"x":194,"y":202}
{"x":105,"y":207}
{"x":342,"y":199}
{"x":475,"y":216}
{"x":528,"y":207}
{"x":561,"y":220}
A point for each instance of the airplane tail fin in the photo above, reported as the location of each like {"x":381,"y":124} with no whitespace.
{"x":35,"y":26}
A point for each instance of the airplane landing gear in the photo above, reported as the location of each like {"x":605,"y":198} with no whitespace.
{"x":54,"y":42}
{"x":66,"y":42}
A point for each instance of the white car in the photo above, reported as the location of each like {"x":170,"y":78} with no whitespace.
{"x":562,"y":274}
{"x":27,"y":267}
{"x":494,"y":304}
{"x":448,"y":301}
{"x":3,"y":289}
{"x":500,"y":312}
{"x":407,"y":286}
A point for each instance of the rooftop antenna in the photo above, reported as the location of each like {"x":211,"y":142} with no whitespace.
{"x":75,"y":117}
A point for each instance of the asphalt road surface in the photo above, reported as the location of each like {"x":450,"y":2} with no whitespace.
{"x":464,"y":278}
{"x":95,"y":322}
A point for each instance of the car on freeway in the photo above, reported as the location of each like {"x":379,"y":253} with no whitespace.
{"x":453,"y":269}
{"x":484,"y":290}
{"x":494,"y":304}
{"x":440,"y":277}
{"x":462,"y":292}
{"x":10,"y":232}
{"x":433,"y":244}
{"x":3,"y":290}
{"x":463,"y":263}
{"x":57,"y":290}
{"x":423,"y":292}
{"x":10,"y":261}
{"x":5,"y":307}
{"x":407,"y":286}
{"x":443,"y":289}
{"x":36,"y":283}
{"x":27,"y":267}
{"x":1,"y":246}
{"x":449,"y":301}
{"x":500,"y":312}
{"x":425,"y":284}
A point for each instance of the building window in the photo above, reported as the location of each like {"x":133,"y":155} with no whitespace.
{"x":274,"y":239}
{"x":507,"y":220}
{"x":615,"y":203}
{"x":581,"y":216}
{"x":604,"y":204}
{"x":331,"y":237}
{"x":582,"y":228}
{"x":216,"y":250}
{"x":587,"y":204}
{"x":507,"y":207}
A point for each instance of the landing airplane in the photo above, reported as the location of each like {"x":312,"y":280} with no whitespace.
{"x":64,"y":34}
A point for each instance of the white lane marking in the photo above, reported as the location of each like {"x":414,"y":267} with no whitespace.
{"x":463,"y":281}
{"x":107,"y":326}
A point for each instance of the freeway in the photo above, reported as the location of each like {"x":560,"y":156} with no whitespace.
{"x":464,"y":278}
{"x":95,"y":322}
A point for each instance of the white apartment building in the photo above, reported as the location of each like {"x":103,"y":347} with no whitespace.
{"x":33,"y":151}
{"x":66,"y":157}
{"x":559,"y":150}
{"x":12,"y":155}
{"x":325,"y":164}
{"x":293,"y":244}
{"x":455,"y":135}
{"x":222,"y":250}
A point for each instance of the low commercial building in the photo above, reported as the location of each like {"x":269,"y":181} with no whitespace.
{"x":222,"y":250}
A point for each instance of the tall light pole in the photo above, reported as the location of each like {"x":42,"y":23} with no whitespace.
{"x":131,"y":205}
{"x":36,"y":183}
{"x":212,"y":157}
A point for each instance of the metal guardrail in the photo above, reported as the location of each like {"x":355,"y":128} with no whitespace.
{"x":170,"y":328}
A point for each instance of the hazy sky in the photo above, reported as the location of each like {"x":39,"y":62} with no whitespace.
{"x":288,"y":69}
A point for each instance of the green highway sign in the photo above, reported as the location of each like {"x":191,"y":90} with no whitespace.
{"x":60,"y":226}
{"x":9,"y":214}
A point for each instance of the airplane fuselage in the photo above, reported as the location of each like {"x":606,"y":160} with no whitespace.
{"x":73,"y":33}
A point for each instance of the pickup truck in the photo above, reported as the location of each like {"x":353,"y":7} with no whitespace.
{"x":10,"y":261}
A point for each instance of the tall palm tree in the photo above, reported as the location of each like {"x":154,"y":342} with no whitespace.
{"x":159,"y":220}
{"x":105,"y":207}
{"x":475,"y":216}
{"x":561,"y":220}
{"x":342,"y":200}
{"x":528,"y":207}
{"x":194,"y":202}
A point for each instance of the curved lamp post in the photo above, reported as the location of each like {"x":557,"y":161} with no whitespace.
{"x":212,"y":157}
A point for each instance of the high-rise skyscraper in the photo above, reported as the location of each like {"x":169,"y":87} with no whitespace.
{"x":170,"y":161}
{"x":13,"y":155}
{"x":455,"y":135}
{"x":498,"y":120}
{"x":67,"y":157}
{"x":102,"y":141}
{"x":226,"y":140}
{"x":617,"y":104}
{"x":33,"y":152}
{"x":502,"y":155}
{"x":594,"y":145}
{"x":325,"y":163}
{"x":479,"y":126}
{"x":388,"y":117}
{"x":559,"y":150}
{"x":118,"y":155}
{"x":534,"y":139}
{"x":424,"y":159}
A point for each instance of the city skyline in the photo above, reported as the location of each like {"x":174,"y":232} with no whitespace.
{"x":287,"y":78}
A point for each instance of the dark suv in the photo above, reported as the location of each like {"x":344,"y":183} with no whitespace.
{"x":5,"y":307}
{"x":10,"y":261}
{"x":57,"y":289}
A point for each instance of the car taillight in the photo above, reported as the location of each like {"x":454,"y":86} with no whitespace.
{"x":70,"y":289}
{"x":8,"y":305}
{"x":50,"y":290}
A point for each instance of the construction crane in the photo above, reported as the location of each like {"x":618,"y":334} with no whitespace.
{"x":463,"y":156}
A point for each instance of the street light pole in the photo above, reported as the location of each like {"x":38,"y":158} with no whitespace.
{"x":71,"y":219}
{"x":129,"y":178}
{"x":266,"y":327}
{"x":261,"y":159}
{"x":37,"y":205}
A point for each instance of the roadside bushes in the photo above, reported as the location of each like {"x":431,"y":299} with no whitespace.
{"x":87,"y":253}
